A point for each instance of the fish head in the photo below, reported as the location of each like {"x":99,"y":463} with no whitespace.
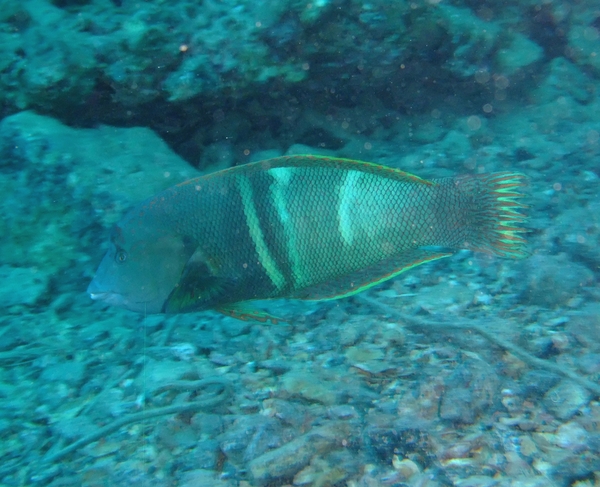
{"x":141,"y":267}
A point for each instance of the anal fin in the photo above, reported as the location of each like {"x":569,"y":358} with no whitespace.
{"x":249,"y":314}
{"x":363,"y":279}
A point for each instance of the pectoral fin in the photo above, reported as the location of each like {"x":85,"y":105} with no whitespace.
{"x":198,"y":287}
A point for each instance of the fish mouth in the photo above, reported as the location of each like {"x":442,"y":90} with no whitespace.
{"x":130,"y":301}
{"x":108,"y":297}
{"x":114,"y":299}
{"x":99,"y":296}
{"x":121,"y":301}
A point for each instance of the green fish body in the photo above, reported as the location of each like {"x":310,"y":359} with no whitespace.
{"x":302,"y":227}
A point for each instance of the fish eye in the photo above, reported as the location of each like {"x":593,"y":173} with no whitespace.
{"x":120,"y":256}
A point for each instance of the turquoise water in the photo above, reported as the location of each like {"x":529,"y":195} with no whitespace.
{"x":468,"y":371}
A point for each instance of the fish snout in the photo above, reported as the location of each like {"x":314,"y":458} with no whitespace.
{"x":94,"y":290}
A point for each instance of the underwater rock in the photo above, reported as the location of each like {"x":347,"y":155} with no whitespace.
{"x":124,"y":165}
{"x":60,"y":185}
{"x":519,"y":53}
{"x":563,"y":78}
{"x":125,"y":63}
{"x":584,"y":37}
{"x":473,"y":38}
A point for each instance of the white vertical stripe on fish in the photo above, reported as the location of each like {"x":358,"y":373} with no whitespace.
{"x":283,"y":176}
{"x":347,"y":201}
{"x":256,"y":234}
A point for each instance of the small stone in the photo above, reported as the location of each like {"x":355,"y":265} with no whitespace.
{"x":456,"y":405}
{"x":528,"y":447}
{"x":520,"y":53}
{"x":202,"y":478}
{"x":205,"y":455}
{"x":305,"y":476}
{"x":158,"y":374}
{"x":551,"y":281}
{"x":290,"y":413}
{"x":102,"y":448}
{"x":234,"y":328}
{"x":405,"y":467}
{"x":300,"y":149}
{"x":74,"y":428}
{"x":209,"y":425}
{"x":511,"y":400}
{"x":589,"y":363}
{"x":571,"y":436}
{"x":368,"y":358}
{"x":176,"y":434}
{"x":565,"y":399}
{"x":184,"y":351}
{"x":477,"y":481}
{"x":351,"y":333}
{"x":71,"y":372}
{"x":342,"y":411}
{"x":249,"y":437}
{"x":278,"y":367}
{"x":291,"y":458}
{"x":310,"y":387}
{"x":537,"y":382}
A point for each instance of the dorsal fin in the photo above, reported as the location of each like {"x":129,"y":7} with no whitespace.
{"x":317,"y":161}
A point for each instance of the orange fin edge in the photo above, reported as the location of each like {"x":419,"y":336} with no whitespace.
{"x":248,"y":314}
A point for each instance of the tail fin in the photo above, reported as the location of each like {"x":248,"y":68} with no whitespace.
{"x":496,"y":215}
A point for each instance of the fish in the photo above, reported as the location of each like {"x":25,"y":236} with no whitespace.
{"x":300,"y":227}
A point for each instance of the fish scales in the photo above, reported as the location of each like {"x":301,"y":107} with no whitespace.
{"x":303,"y":227}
